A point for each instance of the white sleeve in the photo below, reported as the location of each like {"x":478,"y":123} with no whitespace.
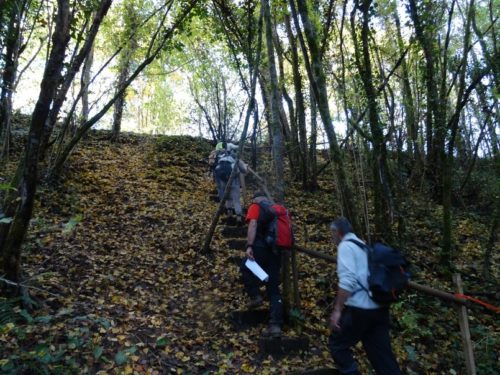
{"x":346,"y":268}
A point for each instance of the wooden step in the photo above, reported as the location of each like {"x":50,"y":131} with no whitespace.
{"x":281,"y":346}
{"x":229,"y":221}
{"x":236,"y":244}
{"x":234,"y":232}
{"x":319,"y":371}
{"x":244,"y":319}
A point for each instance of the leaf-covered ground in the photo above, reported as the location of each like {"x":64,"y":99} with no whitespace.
{"x":114,"y":252}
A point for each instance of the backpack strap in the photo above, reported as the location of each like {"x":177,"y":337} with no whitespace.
{"x":362,"y":246}
{"x":264,"y":215}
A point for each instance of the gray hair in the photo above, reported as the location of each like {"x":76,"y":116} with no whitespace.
{"x":341,"y":225}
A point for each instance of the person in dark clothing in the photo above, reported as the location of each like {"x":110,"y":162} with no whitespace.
{"x":356,"y":317}
{"x":269,"y":259}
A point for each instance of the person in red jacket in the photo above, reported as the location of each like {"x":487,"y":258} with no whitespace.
{"x":269,"y":259}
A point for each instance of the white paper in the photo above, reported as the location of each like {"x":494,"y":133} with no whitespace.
{"x":257,"y":270}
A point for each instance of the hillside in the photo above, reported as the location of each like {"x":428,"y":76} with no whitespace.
{"x":113,"y":256}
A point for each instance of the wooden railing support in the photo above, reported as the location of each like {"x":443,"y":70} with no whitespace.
{"x":464,"y":329}
{"x":411,"y":284}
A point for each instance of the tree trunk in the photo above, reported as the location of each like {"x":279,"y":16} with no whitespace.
{"x":120,"y":101}
{"x":11,"y":61}
{"x":448,"y":162}
{"x":73,"y":69}
{"x":85,"y":81}
{"x":318,"y":83}
{"x":130,"y":19}
{"x":254,"y":137}
{"x":266,"y":98}
{"x":300,"y":116}
{"x":277,"y":144}
{"x":12,"y":235}
{"x":433,"y":113}
{"x":313,"y":153}
{"x":383,"y":200}
{"x":290,"y":132}
{"x":409,"y":108}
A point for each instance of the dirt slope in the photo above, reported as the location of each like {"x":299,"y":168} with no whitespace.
{"x":116,"y":244}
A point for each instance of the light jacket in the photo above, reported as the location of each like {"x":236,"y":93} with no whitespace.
{"x":242,"y":167}
{"x":352,"y":270}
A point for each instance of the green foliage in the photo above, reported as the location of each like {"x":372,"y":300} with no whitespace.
{"x":97,"y":352}
{"x":55,"y":354}
{"x":7,"y":187}
{"x":72,"y":223}
{"x":485,"y":345}
{"x":161,"y":342}
{"x":8,"y":310}
{"x":483,"y":187}
{"x":121,"y":357}
{"x":411,"y":320}
{"x":296,"y":319}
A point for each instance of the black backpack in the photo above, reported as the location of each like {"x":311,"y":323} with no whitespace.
{"x":275,"y":225}
{"x":388,"y":272}
{"x":223,"y":170}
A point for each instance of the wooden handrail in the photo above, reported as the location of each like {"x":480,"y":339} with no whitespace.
{"x":411,"y":284}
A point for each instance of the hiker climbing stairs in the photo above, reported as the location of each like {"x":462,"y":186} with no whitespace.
{"x":235,"y":239}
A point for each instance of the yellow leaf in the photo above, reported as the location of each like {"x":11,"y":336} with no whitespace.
{"x":115,"y":299}
{"x":247,"y":368}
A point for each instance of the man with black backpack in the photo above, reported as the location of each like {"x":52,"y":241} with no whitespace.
{"x":356,"y":316}
{"x":222,"y":171}
{"x":269,"y":231}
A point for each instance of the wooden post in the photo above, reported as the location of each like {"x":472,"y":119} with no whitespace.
{"x":243,"y":189}
{"x":464,"y":329}
{"x":295,"y":280}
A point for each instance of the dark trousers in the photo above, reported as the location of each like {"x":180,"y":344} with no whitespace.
{"x":270,"y":261}
{"x":371,"y":327}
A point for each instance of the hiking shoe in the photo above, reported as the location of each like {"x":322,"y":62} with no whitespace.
{"x":273,"y":330}
{"x":255,"y":302}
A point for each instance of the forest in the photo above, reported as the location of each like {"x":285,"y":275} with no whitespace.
{"x":114,"y":258}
